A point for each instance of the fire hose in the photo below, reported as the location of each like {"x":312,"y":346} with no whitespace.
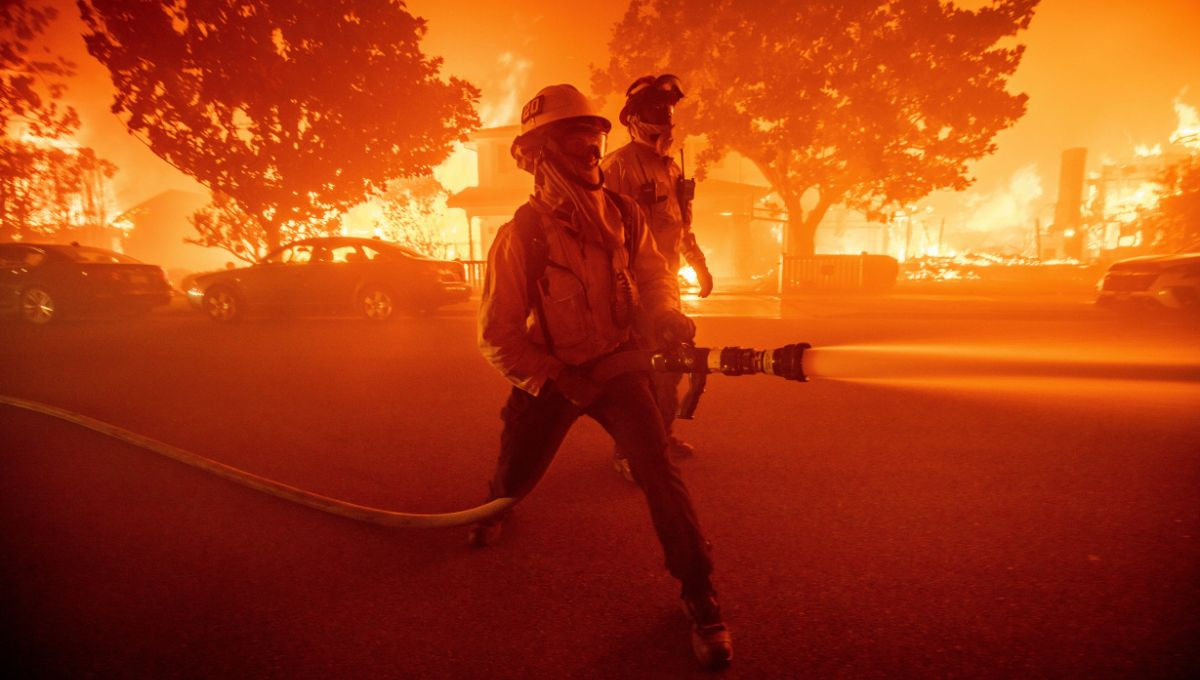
{"x":785,"y":362}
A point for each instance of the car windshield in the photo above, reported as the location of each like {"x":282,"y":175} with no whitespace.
{"x":390,"y":249}
{"x":95,"y":255}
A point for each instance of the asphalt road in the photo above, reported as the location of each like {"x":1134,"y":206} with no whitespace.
{"x":977,"y":487}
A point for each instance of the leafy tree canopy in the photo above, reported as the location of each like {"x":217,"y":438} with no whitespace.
{"x":31,"y":82}
{"x":1175,"y":221}
{"x":292,"y":108}
{"x":866,"y":103}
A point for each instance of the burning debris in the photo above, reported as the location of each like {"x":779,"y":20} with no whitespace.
{"x":972,"y":266}
{"x":1123,"y":194}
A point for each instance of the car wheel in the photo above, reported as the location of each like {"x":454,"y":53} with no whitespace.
{"x":222,"y":304}
{"x":38,"y":306}
{"x":376,"y":303}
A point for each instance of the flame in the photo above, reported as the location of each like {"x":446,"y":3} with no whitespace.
{"x":1004,"y":217}
{"x":1126,"y":202}
{"x":459,"y":171}
{"x":461,"y":168}
{"x":689,"y":275}
{"x":62,"y":143}
{"x":1187,"y":133}
{"x":1143,"y":151}
{"x":511,"y":89}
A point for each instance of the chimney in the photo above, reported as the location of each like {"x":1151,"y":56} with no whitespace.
{"x":1068,"y":212}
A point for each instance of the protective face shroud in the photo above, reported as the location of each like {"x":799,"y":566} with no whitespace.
{"x":567,"y":144}
{"x":652,"y":99}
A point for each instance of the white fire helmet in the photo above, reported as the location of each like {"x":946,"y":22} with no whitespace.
{"x":551,"y":105}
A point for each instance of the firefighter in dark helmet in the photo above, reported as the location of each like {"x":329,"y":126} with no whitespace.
{"x":645,"y":170}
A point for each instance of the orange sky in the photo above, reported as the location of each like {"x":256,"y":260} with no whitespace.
{"x":1100,"y":73}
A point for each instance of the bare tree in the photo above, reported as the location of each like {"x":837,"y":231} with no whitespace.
{"x":224,"y":224}
{"x":410,"y":207}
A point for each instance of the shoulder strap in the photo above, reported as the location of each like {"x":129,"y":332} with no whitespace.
{"x":628,"y":221}
{"x":528,"y":226}
{"x":531,"y":236}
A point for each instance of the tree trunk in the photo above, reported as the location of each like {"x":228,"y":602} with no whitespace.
{"x":271,"y":235}
{"x":801,"y":228}
{"x":802,"y":232}
{"x":7,"y":231}
{"x":799,"y":241}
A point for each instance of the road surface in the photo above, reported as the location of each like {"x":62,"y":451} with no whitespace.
{"x":1032,"y":511}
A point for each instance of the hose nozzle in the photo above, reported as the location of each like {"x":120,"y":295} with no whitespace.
{"x":786,"y":362}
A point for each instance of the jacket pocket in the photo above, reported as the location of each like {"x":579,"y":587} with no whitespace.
{"x":564,"y":301}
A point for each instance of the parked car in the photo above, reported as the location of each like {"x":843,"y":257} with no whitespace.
{"x":1153,"y":282}
{"x":370,"y":277}
{"x":43,"y":282}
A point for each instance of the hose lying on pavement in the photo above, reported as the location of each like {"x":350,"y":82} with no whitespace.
{"x":333,"y":506}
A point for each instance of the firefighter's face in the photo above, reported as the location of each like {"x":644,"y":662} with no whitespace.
{"x":659,"y":112}
{"x":581,"y":147}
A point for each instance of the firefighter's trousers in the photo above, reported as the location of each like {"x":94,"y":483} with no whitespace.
{"x":534,"y":428}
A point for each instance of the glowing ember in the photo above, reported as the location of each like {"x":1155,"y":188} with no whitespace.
{"x":973,"y":266}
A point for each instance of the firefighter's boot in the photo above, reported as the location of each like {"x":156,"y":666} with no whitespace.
{"x":711,"y":642}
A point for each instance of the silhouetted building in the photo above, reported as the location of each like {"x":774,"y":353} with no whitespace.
{"x":157,"y":228}
{"x":501,"y":190}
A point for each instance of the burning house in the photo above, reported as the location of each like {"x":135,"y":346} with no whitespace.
{"x":501,"y":188}
{"x":158,"y":228}
{"x":1116,"y":197}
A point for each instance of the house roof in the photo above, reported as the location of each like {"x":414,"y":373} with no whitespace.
{"x":721,"y":189}
{"x":505,"y":132}
{"x":489,"y":200}
{"x":169,"y":200}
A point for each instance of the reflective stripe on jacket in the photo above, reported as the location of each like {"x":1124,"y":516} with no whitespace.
{"x":577,"y":296}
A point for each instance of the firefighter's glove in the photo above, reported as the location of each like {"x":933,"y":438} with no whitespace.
{"x":576,"y":386}
{"x":704,"y":277}
{"x":673,"y":328}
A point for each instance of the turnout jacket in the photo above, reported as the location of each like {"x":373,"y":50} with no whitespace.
{"x":577,"y":291}
{"x":629,"y":171}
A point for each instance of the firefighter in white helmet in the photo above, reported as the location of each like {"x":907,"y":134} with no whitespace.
{"x":568,"y":280}
{"x":645,"y":171}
